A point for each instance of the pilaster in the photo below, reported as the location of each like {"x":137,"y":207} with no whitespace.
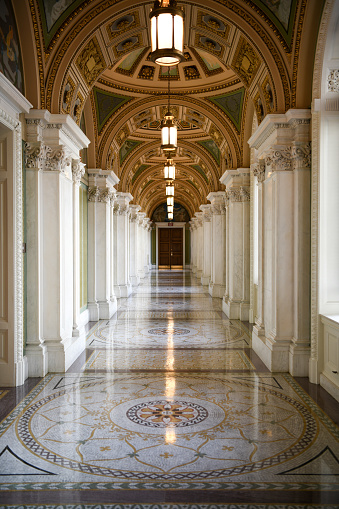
{"x":218,"y":236}
{"x":282,"y":146}
{"x":123,"y":287}
{"x":206,"y":218}
{"x":134,"y":243}
{"x":199,"y":244}
{"x":53,"y":142}
{"x":236,"y":301}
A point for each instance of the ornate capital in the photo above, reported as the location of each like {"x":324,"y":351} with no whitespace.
{"x":56,"y":159}
{"x":301,"y":154}
{"x":93,"y":193}
{"x":280,"y":159}
{"x":116,"y":207}
{"x":259,"y":170}
{"x":218,"y":209}
{"x":78,"y":170}
{"x":34,"y":155}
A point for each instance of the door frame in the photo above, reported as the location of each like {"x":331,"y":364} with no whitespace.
{"x":165,"y":225}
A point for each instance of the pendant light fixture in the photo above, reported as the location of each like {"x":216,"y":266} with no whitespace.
{"x":170,"y":189}
{"x":167,"y":33}
{"x":170,"y":215}
{"x":169,"y":170}
{"x":170,"y":208}
{"x":169,"y":136}
{"x":170,"y":200}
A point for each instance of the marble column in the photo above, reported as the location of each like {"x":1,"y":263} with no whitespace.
{"x":236,"y":301}
{"x":54,"y":141}
{"x":206,"y":217}
{"x":123,"y":287}
{"x":102,"y":302}
{"x":141,"y":246}
{"x":217,"y":284}
{"x":199,"y":244}
{"x":282,"y":141}
{"x":78,"y":171}
{"x":146,"y":244}
{"x":134,"y":245}
{"x":194,"y":244}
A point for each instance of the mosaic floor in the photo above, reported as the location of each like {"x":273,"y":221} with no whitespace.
{"x":171,"y":412}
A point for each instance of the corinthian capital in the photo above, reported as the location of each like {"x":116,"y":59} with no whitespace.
{"x":56,"y":159}
{"x":258,"y":170}
{"x":301,"y":153}
{"x":34,"y":155}
{"x":78,"y":170}
{"x":280,"y":159}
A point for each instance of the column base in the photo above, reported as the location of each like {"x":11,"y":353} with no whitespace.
{"x":93,"y":310}
{"x":141,"y":274}
{"x":236,"y":309}
{"x":205,"y":280}
{"x":216,"y":290}
{"x":274,"y":353}
{"x":298,"y":359}
{"x":62,"y":353}
{"x":313,"y":369}
{"x":194,"y":269}
{"x":107,"y":309}
{"x":146,"y":269}
{"x":123,"y":290}
{"x":135,"y":280}
{"x":37,"y":360}
{"x":198,"y":274}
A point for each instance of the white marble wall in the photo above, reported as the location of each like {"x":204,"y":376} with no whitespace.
{"x":206,"y":247}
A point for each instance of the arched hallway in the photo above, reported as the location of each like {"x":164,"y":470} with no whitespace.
{"x":169,"y":404}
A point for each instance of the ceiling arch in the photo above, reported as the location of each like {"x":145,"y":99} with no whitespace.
{"x":241,"y":59}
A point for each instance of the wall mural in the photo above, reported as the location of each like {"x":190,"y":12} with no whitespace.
{"x":10,"y":53}
{"x":180,"y":214}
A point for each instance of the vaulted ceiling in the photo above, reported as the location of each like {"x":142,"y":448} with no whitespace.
{"x":243,"y":60}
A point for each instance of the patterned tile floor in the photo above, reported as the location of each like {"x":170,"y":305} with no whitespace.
{"x":168,"y":408}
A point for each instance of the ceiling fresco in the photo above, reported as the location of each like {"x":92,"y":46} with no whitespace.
{"x":241,"y":60}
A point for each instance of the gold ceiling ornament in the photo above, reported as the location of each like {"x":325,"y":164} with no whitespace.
{"x":167,"y":33}
{"x":91,"y":61}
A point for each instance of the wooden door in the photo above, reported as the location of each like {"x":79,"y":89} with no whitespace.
{"x":170,"y":248}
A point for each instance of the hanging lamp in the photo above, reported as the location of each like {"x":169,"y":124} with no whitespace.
{"x":170,"y":215}
{"x":170,"y":200}
{"x":167,"y":33}
{"x":170,"y":208}
{"x":169,"y":170}
{"x":169,"y":137}
{"x":170,"y":189}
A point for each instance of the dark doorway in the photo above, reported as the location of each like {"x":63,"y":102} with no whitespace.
{"x":170,"y":248}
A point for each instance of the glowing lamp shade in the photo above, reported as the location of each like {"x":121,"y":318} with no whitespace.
{"x":169,"y":170}
{"x":170,"y":190}
{"x":170,"y":200}
{"x":170,"y":215}
{"x":167,"y":33}
{"x":168,"y":133}
{"x":170,"y":208}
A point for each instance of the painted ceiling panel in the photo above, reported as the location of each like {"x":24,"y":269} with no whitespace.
{"x":281,"y":13}
{"x":127,"y":148}
{"x":107,"y":103}
{"x":212,"y":148}
{"x":231,"y":104}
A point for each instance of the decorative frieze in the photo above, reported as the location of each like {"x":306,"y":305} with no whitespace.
{"x":333,"y":81}
{"x":238,"y":194}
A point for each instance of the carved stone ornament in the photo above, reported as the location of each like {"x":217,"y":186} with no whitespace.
{"x":280,"y":159}
{"x":302,"y":155}
{"x":234,"y":195}
{"x":259,"y":170}
{"x":93,"y":193}
{"x":333,"y":81}
{"x":123,"y":210}
{"x":116,"y":207}
{"x":244,"y":193}
{"x":207,"y":216}
{"x":34,"y":155}
{"x":78,"y":170}
{"x":218,"y":209}
{"x":56,"y":159}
